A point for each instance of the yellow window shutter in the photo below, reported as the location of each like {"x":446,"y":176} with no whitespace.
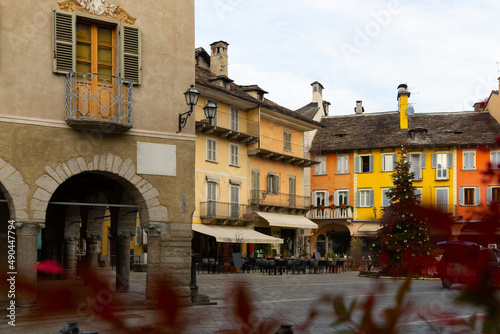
{"x":130,"y":53}
{"x":64,"y":46}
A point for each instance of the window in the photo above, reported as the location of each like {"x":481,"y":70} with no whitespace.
{"x":292,"y":190}
{"x":287,"y":140}
{"x":255,"y":186}
{"x":211,"y":150}
{"x":234,"y":119}
{"x":365,"y":198}
{"x":234,"y":201}
{"x":89,"y":47}
{"x":469,"y":160}
{"x":341,"y":197}
{"x":342,"y":164}
{"x":363,"y":164}
{"x":319,"y":197}
{"x":495,"y":159}
{"x":273,"y":182}
{"x":442,"y":199}
{"x":321,"y":168}
{"x":385,"y":201}
{"x":211,"y":209}
{"x":492,"y":194}
{"x":469,"y":196}
{"x":441,"y":162}
{"x":417,"y":163}
{"x":389,"y":162}
{"x":234,"y":155}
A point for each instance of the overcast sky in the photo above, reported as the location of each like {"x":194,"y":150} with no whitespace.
{"x":447,"y":52}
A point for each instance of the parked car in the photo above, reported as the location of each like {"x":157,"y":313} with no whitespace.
{"x":467,"y":262}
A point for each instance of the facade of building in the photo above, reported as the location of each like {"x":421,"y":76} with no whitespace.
{"x":358,"y":154}
{"x":249,"y":167}
{"x":88,"y":125}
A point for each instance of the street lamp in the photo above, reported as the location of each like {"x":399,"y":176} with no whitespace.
{"x":264,"y":194}
{"x":375,"y":211}
{"x":191,"y":96}
{"x":210,"y":110}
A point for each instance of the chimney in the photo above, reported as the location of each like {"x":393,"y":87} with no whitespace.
{"x":359,"y":109}
{"x":317,"y":93}
{"x":326,"y":108}
{"x":218,"y":58}
{"x":403,"y":95}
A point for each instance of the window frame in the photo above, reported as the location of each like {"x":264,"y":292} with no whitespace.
{"x":421,"y":165}
{"x":343,"y":161}
{"x":213,"y":150}
{"x":447,"y":197}
{"x":444,"y":167}
{"x":366,"y":198}
{"x":495,"y":163}
{"x":234,"y":122}
{"x":468,"y":160}
{"x":287,"y":140}
{"x":359,"y":163}
{"x":234,"y":157}
{"x":469,"y":196}
{"x":391,"y":165}
{"x":321,"y":168}
{"x":316,"y":195}
{"x":273,"y":183}
{"x":129,"y":48}
{"x":490,"y":192}
{"x":234,"y":205}
{"x":337,"y":195}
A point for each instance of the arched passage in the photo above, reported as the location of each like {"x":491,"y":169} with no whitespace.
{"x":76,"y":196}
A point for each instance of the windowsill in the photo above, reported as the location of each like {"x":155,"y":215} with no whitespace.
{"x":346,"y":173}
{"x":387,"y":171}
{"x":234,"y":166}
{"x":212,"y":162}
{"x":448,"y":179}
{"x":470,"y":170}
{"x":320,"y":174}
{"x":467,"y":205}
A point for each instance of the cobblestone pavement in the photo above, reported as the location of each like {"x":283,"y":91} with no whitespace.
{"x":279,"y":299}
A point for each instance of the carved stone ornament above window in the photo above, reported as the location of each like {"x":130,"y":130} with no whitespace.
{"x":97,"y":7}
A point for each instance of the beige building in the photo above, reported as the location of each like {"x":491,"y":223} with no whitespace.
{"x":90,"y":96}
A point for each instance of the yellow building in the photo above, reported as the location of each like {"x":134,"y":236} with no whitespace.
{"x":358,"y":154}
{"x":249,"y":159}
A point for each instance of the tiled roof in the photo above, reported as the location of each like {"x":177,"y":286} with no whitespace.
{"x":205,"y":77}
{"x":309,"y":111}
{"x":381,"y":130}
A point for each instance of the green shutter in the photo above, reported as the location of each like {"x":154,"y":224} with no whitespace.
{"x":130,"y":53}
{"x":64,"y":44}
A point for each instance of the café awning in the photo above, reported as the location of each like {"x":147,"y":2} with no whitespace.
{"x":234,"y":234}
{"x":290,"y":221}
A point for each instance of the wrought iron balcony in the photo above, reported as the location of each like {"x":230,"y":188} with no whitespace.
{"x":283,"y":200}
{"x":330,"y":213}
{"x":98,"y":101}
{"x":223,"y":210}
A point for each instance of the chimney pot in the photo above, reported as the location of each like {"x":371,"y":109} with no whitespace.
{"x":359,"y":109}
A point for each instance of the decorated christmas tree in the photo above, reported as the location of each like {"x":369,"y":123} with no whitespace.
{"x":403,"y":245}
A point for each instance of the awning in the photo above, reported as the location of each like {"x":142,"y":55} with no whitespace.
{"x":238,"y":234}
{"x":281,"y":220}
{"x":370,"y":227}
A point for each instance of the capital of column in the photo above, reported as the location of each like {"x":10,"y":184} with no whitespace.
{"x":71,"y":239}
{"x":125,"y":236}
{"x":93,"y":238}
{"x":28,"y":227}
{"x":155,"y":229}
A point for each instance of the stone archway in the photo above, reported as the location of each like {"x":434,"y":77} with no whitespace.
{"x":15,"y":190}
{"x":124,"y":171}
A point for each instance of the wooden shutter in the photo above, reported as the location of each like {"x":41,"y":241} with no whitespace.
{"x":277,"y":184}
{"x":336,"y":198}
{"x":461,"y":196}
{"x":372,"y":198}
{"x":130,"y":53}
{"x":488,"y":196}
{"x":64,"y":45}
{"x":450,"y":160}
{"x":371,"y":160}
{"x":394,"y":161}
{"x":385,"y":200}
{"x":477,"y":196}
{"x":358,"y":195}
{"x":434,"y":160}
{"x":422,"y":161}
{"x":356,"y":164}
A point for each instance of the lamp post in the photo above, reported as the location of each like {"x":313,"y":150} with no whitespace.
{"x":375,"y":211}
{"x":264,"y":194}
{"x":210,"y":110}
{"x":191,"y":96}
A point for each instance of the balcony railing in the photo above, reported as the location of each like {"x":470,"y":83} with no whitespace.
{"x":280,"y":199}
{"x":98,"y":101}
{"x":223,"y":210}
{"x":329,"y":213}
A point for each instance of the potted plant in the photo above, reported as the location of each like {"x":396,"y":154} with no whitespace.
{"x":312,"y":207}
{"x":333,"y":206}
{"x":321,"y":207}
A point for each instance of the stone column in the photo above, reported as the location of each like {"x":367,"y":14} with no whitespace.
{"x":26,"y":257}
{"x":154,"y":273}
{"x":123,"y":260}
{"x":70,"y":248}
{"x":91,"y":253}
